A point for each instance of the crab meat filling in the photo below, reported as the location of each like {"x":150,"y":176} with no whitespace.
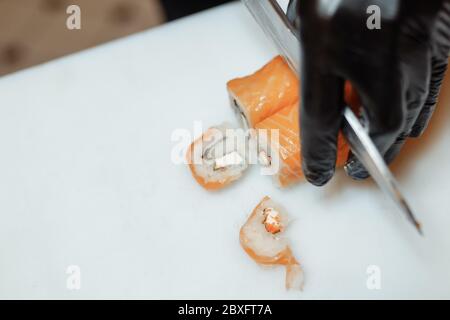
{"x":230,"y":159}
{"x":272,"y":220}
{"x":222,"y":153}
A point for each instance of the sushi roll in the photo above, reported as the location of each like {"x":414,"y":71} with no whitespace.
{"x":284,"y":149}
{"x":219,"y":157}
{"x":279,"y":143}
{"x":262,"y":238}
{"x":262,"y":94}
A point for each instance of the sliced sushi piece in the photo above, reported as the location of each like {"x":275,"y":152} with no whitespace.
{"x":260,"y":95}
{"x":262,"y":238}
{"x":218,"y":157}
{"x":279,"y":142}
{"x":279,"y":146}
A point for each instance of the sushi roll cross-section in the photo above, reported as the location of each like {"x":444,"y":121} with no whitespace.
{"x":262,"y":238}
{"x":218,"y":157}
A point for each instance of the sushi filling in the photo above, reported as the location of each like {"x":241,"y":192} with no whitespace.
{"x":272,"y":220}
{"x":224,"y":155}
{"x":230,"y":159}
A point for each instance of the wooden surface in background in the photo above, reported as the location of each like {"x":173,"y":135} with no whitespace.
{"x":34,"y":31}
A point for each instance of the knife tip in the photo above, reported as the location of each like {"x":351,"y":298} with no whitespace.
{"x":411,"y":216}
{"x":419,"y":228}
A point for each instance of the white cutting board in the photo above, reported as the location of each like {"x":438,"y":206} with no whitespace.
{"x":86,"y":179}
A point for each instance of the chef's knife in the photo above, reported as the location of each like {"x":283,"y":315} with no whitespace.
{"x":274,"y":22}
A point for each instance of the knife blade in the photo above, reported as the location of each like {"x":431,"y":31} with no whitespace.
{"x":275,"y":24}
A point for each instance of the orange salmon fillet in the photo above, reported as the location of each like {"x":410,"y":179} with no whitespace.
{"x":265,"y":92}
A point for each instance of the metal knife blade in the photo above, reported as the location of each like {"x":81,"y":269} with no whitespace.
{"x":274,"y":22}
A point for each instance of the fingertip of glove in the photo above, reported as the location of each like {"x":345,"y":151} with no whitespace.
{"x":318,"y":178}
{"x":356,"y":170}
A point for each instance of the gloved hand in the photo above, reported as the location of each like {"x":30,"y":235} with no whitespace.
{"x":397,"y":70}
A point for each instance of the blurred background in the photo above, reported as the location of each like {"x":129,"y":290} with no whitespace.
{"x":34,"y":31}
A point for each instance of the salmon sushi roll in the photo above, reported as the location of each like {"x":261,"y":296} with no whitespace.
{"x":262,"y":94}
{"x":218,"y":157}
{"x":262,"y":238}
{"x":279,"y":145}
{"x":279,"y":142}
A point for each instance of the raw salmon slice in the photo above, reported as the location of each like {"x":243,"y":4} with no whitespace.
{"x":268,"y":90}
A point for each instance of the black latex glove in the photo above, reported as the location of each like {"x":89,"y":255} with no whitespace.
{"x":397,"y":70}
